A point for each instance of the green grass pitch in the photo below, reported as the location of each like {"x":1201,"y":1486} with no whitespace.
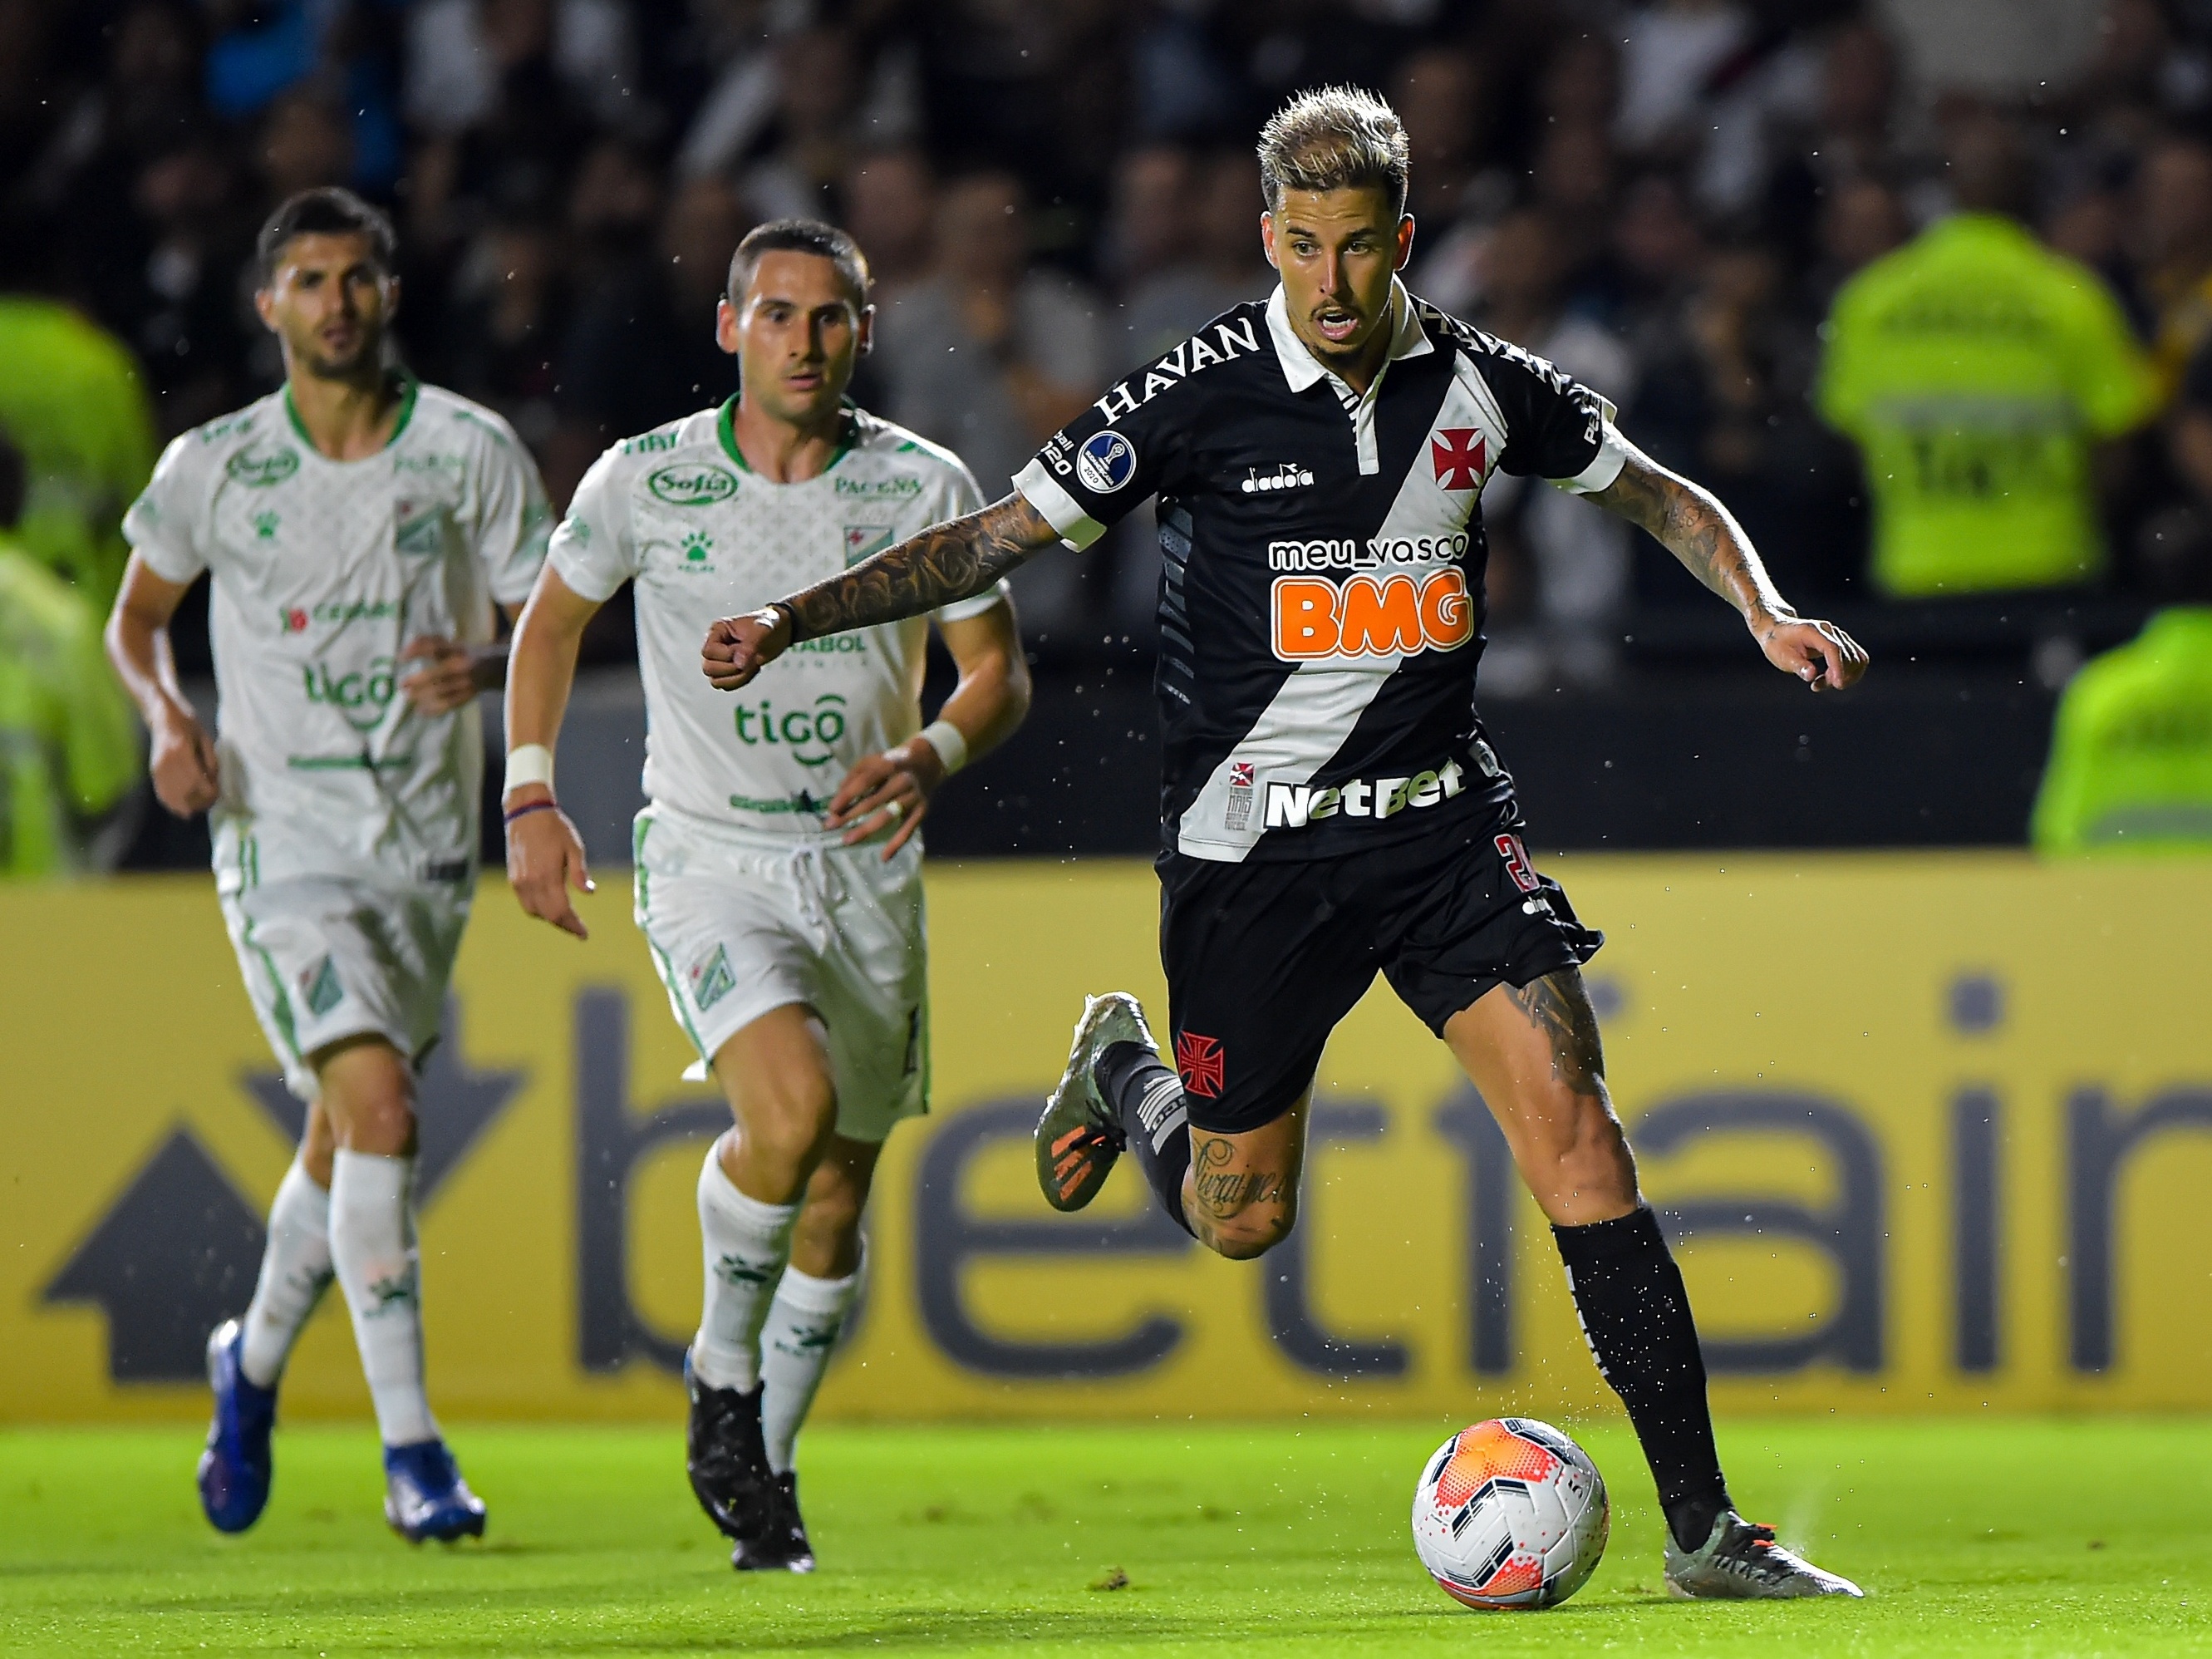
{"x":2035,"y":1538}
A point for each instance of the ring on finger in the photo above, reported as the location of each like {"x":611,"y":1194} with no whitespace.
{"x":895,"y":810}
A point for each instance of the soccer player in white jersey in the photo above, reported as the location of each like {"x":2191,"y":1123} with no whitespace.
{"x":357,"y":528}
{"x":778,"y":868}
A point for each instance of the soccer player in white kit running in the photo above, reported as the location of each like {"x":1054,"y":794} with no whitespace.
{"x":778,"y":869}
{"x":357,"y":528}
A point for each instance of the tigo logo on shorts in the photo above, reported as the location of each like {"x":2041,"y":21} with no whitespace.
{"x":1316,"y":617}
{"x":1200,"y":1064}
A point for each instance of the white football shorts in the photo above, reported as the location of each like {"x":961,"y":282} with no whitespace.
{"x":324,"y":960}
{"x":740,"y":923}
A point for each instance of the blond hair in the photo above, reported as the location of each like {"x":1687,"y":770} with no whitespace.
{"x":1335,"y":138}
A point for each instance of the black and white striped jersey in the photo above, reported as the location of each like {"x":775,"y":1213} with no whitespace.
{"x":1321,"y":600}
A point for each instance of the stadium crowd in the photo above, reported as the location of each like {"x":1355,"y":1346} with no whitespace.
{"x":1665,"y":198}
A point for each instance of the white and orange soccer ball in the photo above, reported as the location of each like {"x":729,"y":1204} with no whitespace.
{"x":1511,"y":1513}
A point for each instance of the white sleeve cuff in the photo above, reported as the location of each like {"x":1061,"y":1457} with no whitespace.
{"x":973,"y":605}
{"x":579,"y":577}
{"x":1061,"y":510}
{"x":171,"y":564}
{"x":1605,"y":467}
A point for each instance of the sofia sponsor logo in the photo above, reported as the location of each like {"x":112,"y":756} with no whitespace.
{"x":698,"y":483}
{"x":1315,"y":617}
{"x":258,"y":469}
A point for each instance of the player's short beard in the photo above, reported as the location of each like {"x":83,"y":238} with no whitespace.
{"x":313,"y":364}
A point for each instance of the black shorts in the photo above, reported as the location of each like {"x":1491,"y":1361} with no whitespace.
{"x":1263,"y":959}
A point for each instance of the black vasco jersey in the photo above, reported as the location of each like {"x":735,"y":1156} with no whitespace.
{"x":1321,"y":599}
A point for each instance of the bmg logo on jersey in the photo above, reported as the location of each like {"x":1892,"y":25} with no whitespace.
{"x":1315,"y":617}
{"x":1106,"y":462}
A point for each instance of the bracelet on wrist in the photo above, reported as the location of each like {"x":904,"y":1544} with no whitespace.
{"x":529,"y":806}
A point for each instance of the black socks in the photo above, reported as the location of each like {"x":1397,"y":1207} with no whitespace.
{"x":1148,"y":1098}
{"x":1636,"y":1314}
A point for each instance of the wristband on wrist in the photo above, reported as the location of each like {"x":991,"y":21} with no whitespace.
{"x":790,"y":617}
{"x":528,"y":807}
{"x":951,"y":748}
{"x":528,"y":762}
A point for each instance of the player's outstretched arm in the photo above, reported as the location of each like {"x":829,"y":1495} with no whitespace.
{"x":182,"y":761}
{"x":955,"y":560}
{"x":1689,"y":521}
{"x":544,"y":853}
{"x":993,"y":695}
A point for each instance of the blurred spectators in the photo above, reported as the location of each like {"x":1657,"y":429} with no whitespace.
{"x":1669,"y":195}
{"x":991,"y":354}
{"x":68,"y":742}
{"x":1977,"y":369}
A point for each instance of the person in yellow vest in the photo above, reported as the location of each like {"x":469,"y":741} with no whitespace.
{"x":2131,"y":765}
{"x":1977,"y":371}
{"x":71,"y":396}
{"x":68,"y":745}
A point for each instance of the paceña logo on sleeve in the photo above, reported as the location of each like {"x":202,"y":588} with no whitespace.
{"x":1106,"y":462}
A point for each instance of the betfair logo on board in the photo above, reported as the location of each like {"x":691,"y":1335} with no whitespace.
{"x":699,"y":483}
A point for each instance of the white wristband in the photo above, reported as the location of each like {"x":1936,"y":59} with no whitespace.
{"x":951,"y":748}
{"x":529,"y":763}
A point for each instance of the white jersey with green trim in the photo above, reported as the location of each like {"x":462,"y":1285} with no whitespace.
{"x":320,"y":572}
{"x":678,"y":511}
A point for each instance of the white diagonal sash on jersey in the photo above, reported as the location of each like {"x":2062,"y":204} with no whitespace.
{"x":1315,"y":708}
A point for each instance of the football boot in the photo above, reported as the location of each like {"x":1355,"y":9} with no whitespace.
{"x":1080,"y":1135}
{"x":424,"y":1495}
{"x":236,"y":1469}
{"x":1740,"y":1561}
{"x":784,"y":1547}
{"x":727,"y":1461}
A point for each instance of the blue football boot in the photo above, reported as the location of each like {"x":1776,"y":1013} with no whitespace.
{"x":235,"y":1469}
{"x":424,"y":1495}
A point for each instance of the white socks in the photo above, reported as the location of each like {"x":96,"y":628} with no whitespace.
{"x":295,"y":1268}
{"x":746,"y":1243}
{"x":795,"y":1347}
{"x":372,"y":1249}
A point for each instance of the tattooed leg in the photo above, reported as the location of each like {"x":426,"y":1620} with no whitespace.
{"x":1241,"y":1194}
{"x":1534,"y":1054}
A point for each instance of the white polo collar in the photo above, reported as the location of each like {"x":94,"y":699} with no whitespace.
{"x":1301,"y":368}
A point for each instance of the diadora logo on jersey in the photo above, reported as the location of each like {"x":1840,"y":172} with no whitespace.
{"x":1230,"y":340}
{"x":1288,"y":476}
{"x":1459,"y":455}
{"x":1106,"y":462}
{"x":1200,"y":1063}
{"x":1315,"y":617}
{"x":863,"y":540}
{"x":695,"y":483}
{"x":1294,"y":805}
{"x":258,"y":469}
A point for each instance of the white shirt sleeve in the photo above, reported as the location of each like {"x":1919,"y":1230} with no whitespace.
{"x":512,"y":519}
{"x":593,"y":550}
{"x":162,"y":526}
{"x":960,"y":497}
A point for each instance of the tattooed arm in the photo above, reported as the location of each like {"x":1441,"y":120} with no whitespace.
{"x":1688,"y":521}
{"x":947,"y":561}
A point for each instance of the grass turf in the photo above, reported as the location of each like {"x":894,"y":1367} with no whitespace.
{"x":2035,"y":1538}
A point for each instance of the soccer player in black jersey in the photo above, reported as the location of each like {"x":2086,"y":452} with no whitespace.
{"x":1331,"y":805}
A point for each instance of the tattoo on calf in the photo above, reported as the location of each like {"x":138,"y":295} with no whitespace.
{"x":1556,"y":1006}
{"x":1219,"y":1192}
{"x":951,"y":560}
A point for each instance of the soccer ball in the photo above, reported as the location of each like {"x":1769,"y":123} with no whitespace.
{"x":1511,"y":1513}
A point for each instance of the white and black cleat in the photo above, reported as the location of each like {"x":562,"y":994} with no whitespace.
{"x":1740,"y":1561}
{"x":1080,"y":1135}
